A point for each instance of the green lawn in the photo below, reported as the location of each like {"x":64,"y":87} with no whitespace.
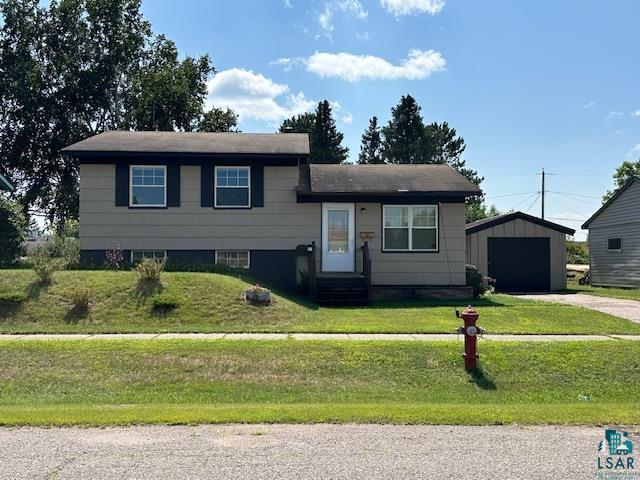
{"x":611,"y":292}
{"x":212,"y":303}
{"x":102,"y":382}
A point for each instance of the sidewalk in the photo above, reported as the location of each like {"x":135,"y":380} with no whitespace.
{"x":405,"y":337}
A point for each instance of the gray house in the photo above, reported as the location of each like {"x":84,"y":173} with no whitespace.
{"x":251,"y":201}
{"x":614,"y":239}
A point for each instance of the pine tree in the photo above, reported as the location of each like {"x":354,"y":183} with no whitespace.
{"x":327,"y":147}
{"x":371,"y":148}
{"x":324,"y":139}
{"x":404,"y":135}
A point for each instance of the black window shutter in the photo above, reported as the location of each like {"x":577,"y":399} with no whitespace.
{"x":257,"y":186}
{"x":206,"y":185}
{"x":173,"y":185}
{"x":122,"y":185}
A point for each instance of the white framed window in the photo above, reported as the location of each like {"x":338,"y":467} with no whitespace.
{"x":137,"y":255}
{"x":614,"y":244}
{"x":410,"y":228}
{"x":148,"y":186}
{"x":233,"y":258}
{"x":233,"y":187}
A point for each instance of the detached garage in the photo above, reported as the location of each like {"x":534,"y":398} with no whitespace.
{"x":521,"y":252}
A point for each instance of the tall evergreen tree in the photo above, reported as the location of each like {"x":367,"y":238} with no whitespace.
{"x":327,"y":147}
{"x":442,"y":145}
{"x":404,"y":135}
{"x":371,"y":147}
{"x":324,"y":138}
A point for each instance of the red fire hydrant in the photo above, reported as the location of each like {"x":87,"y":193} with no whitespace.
{"x":471,"y":332}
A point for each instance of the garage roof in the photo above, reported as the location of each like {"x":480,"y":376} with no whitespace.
{"x":479,"y":225}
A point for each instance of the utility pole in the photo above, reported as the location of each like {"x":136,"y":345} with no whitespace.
{"x":543,"y":191}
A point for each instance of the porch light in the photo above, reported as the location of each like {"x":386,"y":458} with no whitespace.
{"x":363,"y":210}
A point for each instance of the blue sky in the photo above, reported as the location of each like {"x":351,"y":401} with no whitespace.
{"x":530,"y":85}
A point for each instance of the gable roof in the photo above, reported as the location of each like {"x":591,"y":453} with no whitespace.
{"x":615,"y":195}
{"x":118,"y":142}
{"x":485,"y":223}
{"x":387,"y":180}
{"x":5,"y":184}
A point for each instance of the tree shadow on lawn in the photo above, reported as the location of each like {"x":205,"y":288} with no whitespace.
{"x":479,"y":377}
{"x":76,"y":314}
{"x":35,"y":289}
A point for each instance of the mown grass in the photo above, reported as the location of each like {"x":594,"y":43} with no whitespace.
{"x":611,"y":292}
{"x":212,"y":303}
{"x":103,"y":382}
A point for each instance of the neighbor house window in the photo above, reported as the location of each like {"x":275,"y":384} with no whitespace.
{"x":233,"y":258}
{"x":410,"y":228}
{"x":137,"y":255}
{"x":614,"y":244}
{"x":148,"y":186}
{"x":232,"y":187}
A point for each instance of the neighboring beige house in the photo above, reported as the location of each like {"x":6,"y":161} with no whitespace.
{"x":252,"y":201}
{"x":614,"y":239}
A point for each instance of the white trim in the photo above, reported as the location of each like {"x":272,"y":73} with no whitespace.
{"x":215,"y":185}
{"x":339,"y":261}
{"x":131,"y":185}
{"x":248,"y":252}
{"x":164,"y":253}
{"x":409,"y":228}
{"x":614,"y":250}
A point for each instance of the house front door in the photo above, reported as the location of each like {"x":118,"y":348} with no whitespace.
{"x":338,"y":237}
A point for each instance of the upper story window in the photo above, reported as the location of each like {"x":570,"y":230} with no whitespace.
{"x":614,"y":244}
{"x":410,"y":228}
{"x":148,"y":186}
{"x":233,"y":187}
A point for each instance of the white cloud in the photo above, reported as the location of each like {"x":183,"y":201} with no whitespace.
{"x":419,"y":64}
{"x":412,"y":7}
{"x":287,"y":4}
{"x":347,"y":119}
{"x":253,"y":96}
{"x":588,"y":105}
{"x":636,"y":113}
{"x":362,"y":35}
{"x":348,"y":7}
{"x":634,"y":152}
{"x":613,"y":114}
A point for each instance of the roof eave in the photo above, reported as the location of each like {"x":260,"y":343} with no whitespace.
{"x":616,"y":194}
{"x":469,"y":229}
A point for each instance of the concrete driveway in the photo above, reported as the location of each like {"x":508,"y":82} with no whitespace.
{"x":301,"y":452}
{"x":629,"y":309}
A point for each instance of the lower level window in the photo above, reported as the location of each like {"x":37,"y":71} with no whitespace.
{"x":410,"y":227}
{"x":233,"y":258}
{"x":137,"y":255}
{"x":614,"y":244}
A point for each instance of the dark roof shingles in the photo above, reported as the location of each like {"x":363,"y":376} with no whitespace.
{"x":195,"y":143}
{"x":484,"y":223}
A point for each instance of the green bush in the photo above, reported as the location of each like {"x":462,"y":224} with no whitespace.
{"x":44,"y":264}
{"x":477,"y":281}
{"x":164,"y":302}
{"x":66,"y":248}
{"x":150,"y":270}
{"x":80,"y":298}
{"x":12,"y":298}
{"x":12,"y":227}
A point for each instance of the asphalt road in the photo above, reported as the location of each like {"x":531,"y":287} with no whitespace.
{"x":300,"y":452}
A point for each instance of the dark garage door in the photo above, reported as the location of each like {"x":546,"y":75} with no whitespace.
{"x":519,"y":264}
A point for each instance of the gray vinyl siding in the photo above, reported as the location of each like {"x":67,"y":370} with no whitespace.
{"x":445,"y":267}
{"x":477,"y":254}
{"x":281,"y":224}
{"x":620,"y":219}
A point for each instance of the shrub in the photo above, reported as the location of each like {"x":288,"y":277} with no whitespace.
{"x":165,"y":302}
{"x":114,"y":258}
{"x":44,"y":264}
{"x":12,"y":298}
{"x":149,"y":270}
{"x":12,"y":228}
{"x":66,"y":248}
{"x":477,"y":281}
{"x":80,"y":298}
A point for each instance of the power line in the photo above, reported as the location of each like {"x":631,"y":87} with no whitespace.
{"x":511,"y":195}
{"x":581,"y":200}
{"x":567,"y":219}
{"x":525,"y":200}
{"x":574,"y":194}
{"x":533,"y":203}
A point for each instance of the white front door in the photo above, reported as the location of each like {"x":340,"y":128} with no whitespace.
{"x":338,"y":237}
